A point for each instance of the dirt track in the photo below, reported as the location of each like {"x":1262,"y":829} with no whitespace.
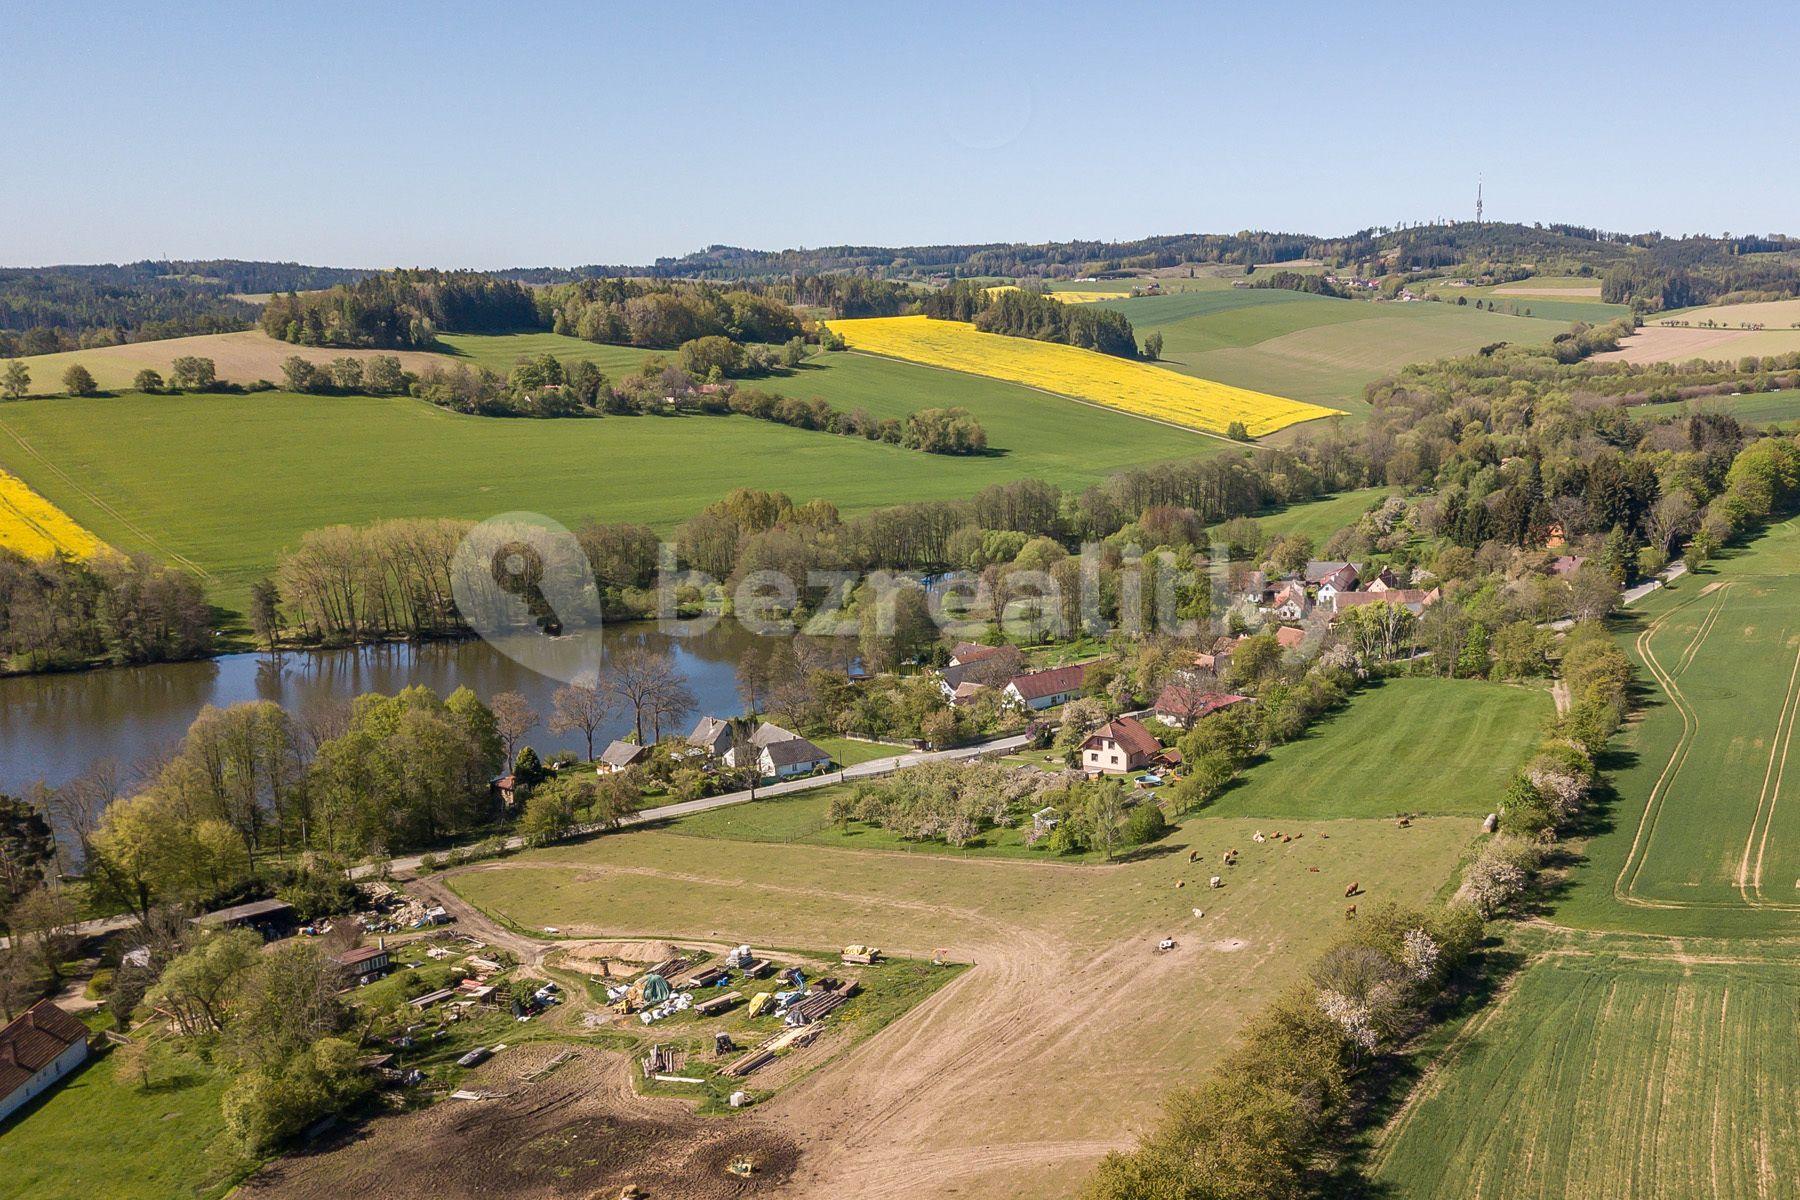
{"x":1010,"y":1081}
{"x":580,"y":1131}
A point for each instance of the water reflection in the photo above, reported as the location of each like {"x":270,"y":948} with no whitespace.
{"x":54,"y":726}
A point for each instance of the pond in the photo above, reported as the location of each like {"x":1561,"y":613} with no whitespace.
{"x":52,"y":727}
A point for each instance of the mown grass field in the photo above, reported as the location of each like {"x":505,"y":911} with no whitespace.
{"x":32,"y":526}
{"x":243,"y":357}
{"x":225,"y":482}
{"x":1319,"y":519}
{"x":98,"y":1136}
{"x":1608,"y":1078}
{"x":1704,"y":836}
{"x":1436,"y":746}
{"x":1554,"y":298}
{"x":1039,"y":1037}
{"x":1129,"y":386}
{"x":1316,"y":349}
{"x":1770,"y":314}
{"x":1753,"y":408}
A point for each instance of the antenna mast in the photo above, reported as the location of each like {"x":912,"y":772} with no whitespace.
{"x":1478,"y":199}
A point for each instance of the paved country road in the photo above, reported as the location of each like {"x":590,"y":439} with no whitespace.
{"x":876,"y":766}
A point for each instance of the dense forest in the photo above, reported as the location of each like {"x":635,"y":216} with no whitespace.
{"x":405,"y":308}
{"x":66,"y":613}
{"x":663,"y":315}
{"x":47,"y":309}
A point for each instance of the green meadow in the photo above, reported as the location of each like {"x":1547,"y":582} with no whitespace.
{"x":225,"y":482}
{"x":1703,"y":837}
{"x":1319,"y":519}
{"x":1440,"y":747}
{"x":1314,"y":348}
{"x":1752,"y":408}
{"x":1611,"y":1079}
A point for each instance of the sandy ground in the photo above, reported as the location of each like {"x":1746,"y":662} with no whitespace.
{"x":1578,"y":292}
{"x":1657,"y":343}
{"x":1009,"y":1082}
{"x":237,"y":357}
{"x":578,"y":1131}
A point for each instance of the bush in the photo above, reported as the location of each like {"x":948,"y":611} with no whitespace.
{"x":1145,"y":824}
{"x":100,"y":985}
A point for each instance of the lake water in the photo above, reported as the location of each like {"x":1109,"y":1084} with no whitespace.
{"x":52,"y":727}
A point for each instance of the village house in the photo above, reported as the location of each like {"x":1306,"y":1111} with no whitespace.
{"x":780,"y":753}
{"x":505,"y":789}
{"x":1565,"y":565}
{"x":1119,"y":747}
{"x":1384,"y":581}
{"x":964,"y":653}
{"x":1045,"y":689}
{"x":790,"y":757}
{"x":1182,"y":705}
{"x":951,"y":680}
{"x":1414,"y":600}
{"x":364,"y":964}
{"x":621,"y":756}
{"x":1256,"y":589}
{"x":1342,"y":580}
{"x":712,"y":736}
{"x":38,"y":1050}
{"x":1292,"y":603}
{"x":1341,"y":575}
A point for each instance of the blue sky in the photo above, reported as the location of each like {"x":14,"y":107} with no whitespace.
{"x":393,"y":134}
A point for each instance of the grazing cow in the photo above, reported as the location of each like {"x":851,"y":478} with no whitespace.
{"x":1215,"y":881}
{"x":1350,"y":913}
{"x":1352,"y":890}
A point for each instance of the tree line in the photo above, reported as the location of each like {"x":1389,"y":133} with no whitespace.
{"x":61,"y":612}
{"x":400,"y":309}
{"x":1018,"y":312}
{"x":661,"y":315}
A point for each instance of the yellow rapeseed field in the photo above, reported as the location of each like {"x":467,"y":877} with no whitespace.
{"x":32,"y":526}
{"x":1069,"y":297}
{"x":1133,"y":387}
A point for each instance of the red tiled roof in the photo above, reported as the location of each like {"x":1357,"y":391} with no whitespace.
{"x":1131,"y":735}
{"x":1053,"y":682}
{"x":1289,"y":636}
{"x":34,"y":1040}
{"x":1179,"y":701}
{"x":972,"y":652}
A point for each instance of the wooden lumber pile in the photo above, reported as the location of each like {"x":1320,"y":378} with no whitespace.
{"x":765,"y":1053}
{"x":661,"y":1060}
{"x":719,"y":1004}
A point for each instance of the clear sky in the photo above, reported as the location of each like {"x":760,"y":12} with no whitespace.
{"x":490,"y":135}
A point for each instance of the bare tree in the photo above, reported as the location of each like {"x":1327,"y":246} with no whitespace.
{"x":76,"y":807}
{"x":515,"y":717}
{"x":647,"y":682}
{"x":580,"y":706}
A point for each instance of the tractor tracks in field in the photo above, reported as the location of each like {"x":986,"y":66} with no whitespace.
{"x":93,"y":498}
{"x":1749,"y":874}
{"x":1625,"y":885}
